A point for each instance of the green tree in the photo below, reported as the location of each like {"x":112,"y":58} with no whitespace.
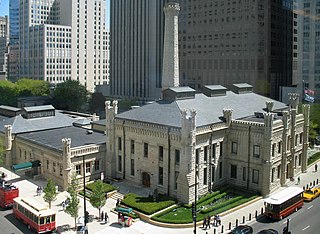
{"x":50,"y":192}
{"x":98,"y":197}
{"x":74,"y":204}
{"x":8,"y":93}
{"x":71,"y":95}
{"x":29,"y":87}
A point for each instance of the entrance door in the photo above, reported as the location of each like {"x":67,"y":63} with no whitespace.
{"x":146,"y":179}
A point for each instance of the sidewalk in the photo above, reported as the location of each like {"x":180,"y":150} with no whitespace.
{"x":28,"y":188}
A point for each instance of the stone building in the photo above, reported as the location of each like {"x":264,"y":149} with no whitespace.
{"x":235,"y":138}
{"x":46,"y":142}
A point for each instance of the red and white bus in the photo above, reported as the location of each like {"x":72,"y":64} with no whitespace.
{"x":7,"y":193}
{"x":37,"y":216}
{"x":284,"y":203}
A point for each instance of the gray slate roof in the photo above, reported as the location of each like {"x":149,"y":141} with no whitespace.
{"x":209,"y":109}
{"x":52,"y":138}
{"x":21,"y":125}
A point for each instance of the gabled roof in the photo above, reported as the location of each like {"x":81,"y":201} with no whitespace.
{"x":21,"y":125}
{"x":209,"y":109}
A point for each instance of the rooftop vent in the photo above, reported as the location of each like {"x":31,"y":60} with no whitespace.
{"x":89,"y":132}
{"x":242,"y":88}
{"x":214,"y":90}
{"x":178,"y":93}
{"x":258,"y":114}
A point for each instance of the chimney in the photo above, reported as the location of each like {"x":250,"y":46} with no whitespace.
{"x":170,"y":69}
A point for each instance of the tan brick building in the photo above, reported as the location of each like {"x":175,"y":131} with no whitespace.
{"x":233,"y":137}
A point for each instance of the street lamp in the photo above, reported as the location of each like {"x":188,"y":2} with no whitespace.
{"x":84,"y":192}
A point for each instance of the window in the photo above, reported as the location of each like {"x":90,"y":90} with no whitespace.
{"x":145,"y":150}
{"x":119,"y":143}
{"x":160,"y":153}
{"x":296,"y":140}
{"x":176,"y":175}
{"x":221,"y":148}
{"x":177,"y":157}
{"x":234,"y":171}
{"x":220,"y":170}
{"x":244,"y":173}
{"x":272,"y":174}
{"x":197,"y":155}
{"x":214,"y":151}
{"x":88,"y":167}
{"x":205,"y":154}
{"x":132,"y":147}
{"x":234,"y":147}
{"x":97,"y":165}
{"x":300,"y":138}
{"x":132,"y":167}
{"x":119,"y":163}
{"x":47,"y":164}
{"x":78,"y":169}
{"x":54,"y":167}
{"x":279,"y":147}
{"x":255,"y":176}
{"x":300,"y":158}
{"x":273,"y":150}
{"x":205,"y":176}
{"x":256,"y":151}
{"x":160,"y":179}
{"x":279,"y":171}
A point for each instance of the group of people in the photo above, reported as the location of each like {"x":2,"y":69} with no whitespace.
{"x":104,"y":216}
{"x":207,"y":221}
{"x":65,"y":204}
{"x":39,"y":191}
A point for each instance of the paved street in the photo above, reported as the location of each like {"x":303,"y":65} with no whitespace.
{"x":27,"y":187}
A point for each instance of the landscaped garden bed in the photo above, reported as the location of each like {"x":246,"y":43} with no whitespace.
{"x":313,"y":158}
{"x":147,"y":205}
{"x":211,"y":204}
{"x":107,"y":188}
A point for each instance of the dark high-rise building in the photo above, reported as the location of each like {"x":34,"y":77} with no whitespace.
{"x":221,"y":42}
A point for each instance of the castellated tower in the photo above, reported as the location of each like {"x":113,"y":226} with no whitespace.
{"x":170,"y":69}
{"x":66,"y":162}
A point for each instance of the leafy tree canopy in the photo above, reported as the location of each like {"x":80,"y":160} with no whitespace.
{"x":24,"y":87}
{"x":71,"y":95}
{"x":50,"y":192}
{"x":73,"y":206}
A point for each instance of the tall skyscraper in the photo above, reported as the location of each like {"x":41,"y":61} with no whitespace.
{"x":13,"y":58}
{"x":220,"y":42}
{"x":62,"y":40}
{"x":136,"y":47}
{"x":309,"y":46}
{"x":4,"y":41}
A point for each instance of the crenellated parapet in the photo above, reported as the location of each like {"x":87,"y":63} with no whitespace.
{"x":8,"y":137}
{"x":227,"y":115}
{"x":172,"y":8}
{"x":268,"y":124}
{"x":294,"y":100}
{"x":269,"y":105}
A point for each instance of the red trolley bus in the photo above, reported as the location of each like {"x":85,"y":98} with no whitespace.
{"x":37,"y":216}
{"x":7,"y":193}
{"x":283,"y":203}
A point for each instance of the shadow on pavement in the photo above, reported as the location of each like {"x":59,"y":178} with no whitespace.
{"x":264,"y":219}
{"x":17,"y":223}
{"x":116,"y":225}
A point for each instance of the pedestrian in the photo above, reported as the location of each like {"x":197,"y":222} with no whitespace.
{"x":215,"y":220}
{"x":208,"y":221}
{"x":118,"y":202}
{"x":298,"y":179}
{"x":38,"y":191}
{"x":218,"y":220}
{"x":63,"y":205}
{"x":316,"y":167}
{"x":106,"y":217}
{"x":67,"y":201}
{"x":204,"y":222}
{"x":102,"y":215}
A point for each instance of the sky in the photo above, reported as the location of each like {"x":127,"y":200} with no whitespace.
{"x":4,"y":10}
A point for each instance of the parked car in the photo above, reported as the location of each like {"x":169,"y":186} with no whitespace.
{"x":310,"y":194}
{"x":268,"y":231}
{"x":242,"y":229}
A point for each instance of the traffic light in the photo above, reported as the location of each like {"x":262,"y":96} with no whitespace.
{"x":86,"y":217}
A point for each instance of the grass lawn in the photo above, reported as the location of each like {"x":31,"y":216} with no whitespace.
{"x":211,"y":204}
{"x":313,"y":158}
{"x":106,"y":188}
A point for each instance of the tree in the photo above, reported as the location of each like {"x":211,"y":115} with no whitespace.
{"x":73,"y":206}
{"x":8,"y":93}
{"x":50,"y":192}
{"x":70,"y":95}
{"x":29,"y":87}
{"x":98,"y":197}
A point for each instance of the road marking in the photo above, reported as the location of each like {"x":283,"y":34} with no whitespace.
{"x":310,"y":207}
{"x":306,"y":228}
